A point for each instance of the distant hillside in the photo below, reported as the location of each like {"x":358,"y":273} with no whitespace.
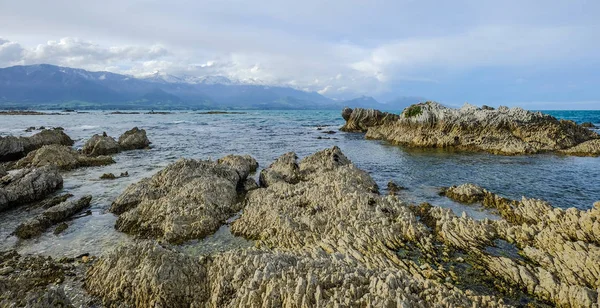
{"x":52,"y":87}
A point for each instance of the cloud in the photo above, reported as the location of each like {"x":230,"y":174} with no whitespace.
{"x":10,"y":52}
{"x":381,"y":48}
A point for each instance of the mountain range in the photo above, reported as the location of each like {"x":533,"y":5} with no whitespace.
{"x":46,"y":86}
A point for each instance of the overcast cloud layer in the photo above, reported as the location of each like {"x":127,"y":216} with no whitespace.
{"x":539,"y":54}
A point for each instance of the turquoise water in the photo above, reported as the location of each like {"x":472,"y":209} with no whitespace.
{"x":563,"y":181}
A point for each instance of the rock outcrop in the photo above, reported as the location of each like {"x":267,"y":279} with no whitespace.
{"x":187,"y":200}
{"x":29,"y":281}
{"x":504,"y":131}
{"x":63,"y":157}
{"x":359,"y":119}
{"x":325,"y":237}
{"x":134,"y":139}
{"x":101,"y":145}
{"x":588,"y":148}
{"x":13,"y":148}
{"x":559,"y":250}
{"x":52,"y":216}
{"x":28,"y":185}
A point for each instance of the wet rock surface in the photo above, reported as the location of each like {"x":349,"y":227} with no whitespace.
{"x":324,"y":236}
{"x":28,"y":185}
{"x":63,"y":157}
{"x":101,"y":145}
{"x":53,"y":215}
{"x":187,"y":200}
{"x":504,"y":131}
{"x":134,"y":139}
{"x":37,"y":281}
{"x":559,"y":249}
{"x":13,"y":148}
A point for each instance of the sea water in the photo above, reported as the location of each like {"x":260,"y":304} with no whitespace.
{"x":563,"y":181}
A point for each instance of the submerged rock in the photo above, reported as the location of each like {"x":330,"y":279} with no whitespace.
{"x":101,"y":145}
{"x":134,"y":139}
{"x":189,"y":199}
{"x":393,"y":188}
{"x":505,"y":131}
{"x":108,"y":176}
{"x":63,"y":157}
{"x":50,"y":217}
{"x":28,"y":185}
{"x":13,"y":148}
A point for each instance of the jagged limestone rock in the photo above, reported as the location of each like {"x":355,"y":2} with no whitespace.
{"x":187,"y":200}
{"x":359,"y":119}
{"x":505,"y":131}
{"x":28,"y":185}
{"x":64,"y":157}
{"x":561,"y":248}
{"x":134,"y":139}
{"x":13,"y":148}
{"x":101,"y":145}
{"x":30,"y":281}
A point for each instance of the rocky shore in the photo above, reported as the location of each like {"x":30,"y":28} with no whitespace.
{"x":323,"y":235}
{"x":503,"y":131}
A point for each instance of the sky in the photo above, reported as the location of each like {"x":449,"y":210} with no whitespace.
{"x":531,"y":53}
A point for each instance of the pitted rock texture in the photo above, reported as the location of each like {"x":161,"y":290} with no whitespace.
{"x":504,"y":131}
{"x":588,"y":148}
{"x":325,"y":237}
{"x":63,"y":157}
{"x":13,"y":148}
{"x":134,"y":139}
{"x":187,"y":200}
{"x":53,"y":215}
{"x":560,"y":249}
{"x":101,"y":145}
{"x":28,"y":185}
{"x":359,"y":119}
{"x":28,"y":281}
{"x":147,"y":274}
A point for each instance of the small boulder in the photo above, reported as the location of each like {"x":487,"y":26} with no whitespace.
{"x":56,"y":214}
{"x":108,"y":176}
{"x":2,"y":171}
{"x":101,"y":145}
{"x":134,"y":139}
{"x":394,"y":188}
{"x":28,"y":185}
{"x":63,"y":157}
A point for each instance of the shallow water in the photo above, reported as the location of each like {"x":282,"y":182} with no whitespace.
{"x":563,"y":181}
